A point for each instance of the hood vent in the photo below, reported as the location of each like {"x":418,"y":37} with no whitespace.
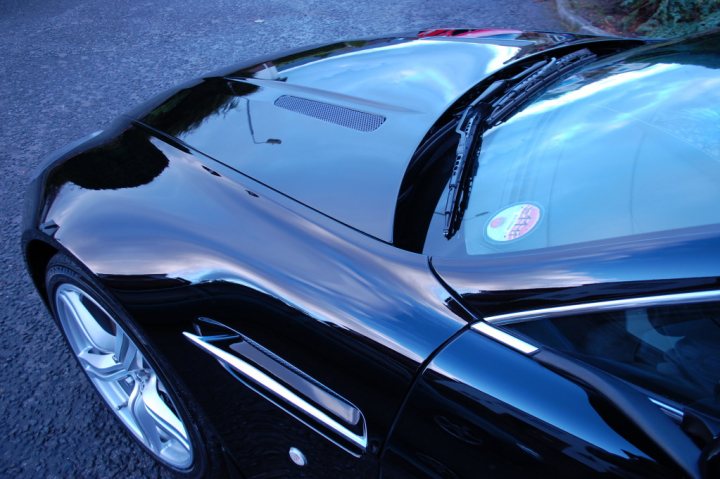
{"x":357,"y":120}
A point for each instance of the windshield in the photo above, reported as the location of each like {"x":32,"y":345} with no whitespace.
{"x":617,"y":149}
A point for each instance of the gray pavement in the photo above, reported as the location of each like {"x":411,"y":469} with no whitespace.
{"x":68,"y":67}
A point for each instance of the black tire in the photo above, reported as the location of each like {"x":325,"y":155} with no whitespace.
{"x":207,"y":457}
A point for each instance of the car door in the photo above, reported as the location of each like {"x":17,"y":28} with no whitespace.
{"x":564,"y":391}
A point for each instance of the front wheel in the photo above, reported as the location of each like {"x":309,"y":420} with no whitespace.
{"x":125,"y":374}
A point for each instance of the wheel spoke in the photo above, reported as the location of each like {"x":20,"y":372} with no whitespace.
{"x":102,"y":366}
{"x":165,"y":418}
{"x":88,"y":324}
{"x":125,"y":351}
{"x":143,"y":419}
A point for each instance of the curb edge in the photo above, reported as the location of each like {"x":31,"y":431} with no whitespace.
{"x":576,"y":22}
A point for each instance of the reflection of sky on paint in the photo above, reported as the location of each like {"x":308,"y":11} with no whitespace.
{"x":413,"y":74}
{"x":635,"y":151}
{"x":194,"y":241}
{"x":500,"y":53}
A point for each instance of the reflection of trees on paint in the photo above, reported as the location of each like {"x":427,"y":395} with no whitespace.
{"x":188,"y":108}
{"x":325,"y":51}
{"x":128,"y":161}
{"x":701,"y":51}
{"x":131,"y":160}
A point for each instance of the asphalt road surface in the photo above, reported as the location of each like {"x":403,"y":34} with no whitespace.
{"x":67,"y":68}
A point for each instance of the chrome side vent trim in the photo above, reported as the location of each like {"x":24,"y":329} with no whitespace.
{"x":349,"y":118}
{"x":293,"y":391}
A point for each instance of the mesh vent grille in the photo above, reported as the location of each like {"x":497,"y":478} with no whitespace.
{"x":339,"y":115}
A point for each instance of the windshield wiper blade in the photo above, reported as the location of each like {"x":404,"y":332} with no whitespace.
{"x":470,"y":131}
{"x":526,"y":89}
{"x":493,"y":106}
{"x":470,"y":128}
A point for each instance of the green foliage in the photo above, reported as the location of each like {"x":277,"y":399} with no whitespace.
{"x":664,"y":18}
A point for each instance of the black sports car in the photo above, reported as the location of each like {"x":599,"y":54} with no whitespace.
{"x":458,"y":253}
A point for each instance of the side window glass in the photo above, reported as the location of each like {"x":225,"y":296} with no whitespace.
{"x":673,"y":351}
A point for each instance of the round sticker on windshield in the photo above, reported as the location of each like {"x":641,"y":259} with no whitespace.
{"x":513,"y":222}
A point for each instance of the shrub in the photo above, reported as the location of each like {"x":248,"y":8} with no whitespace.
{"x":665,"y":18}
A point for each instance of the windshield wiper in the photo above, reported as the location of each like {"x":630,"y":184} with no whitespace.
{"x":492,"y":107}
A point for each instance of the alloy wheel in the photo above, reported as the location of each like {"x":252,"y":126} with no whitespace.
{"x":122,"y":376}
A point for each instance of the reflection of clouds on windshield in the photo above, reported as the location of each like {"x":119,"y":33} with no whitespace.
{"x":545,"y":106}
{"x":694,"y":117}
{"x":610,"y":152}
{"x":676,"y":102}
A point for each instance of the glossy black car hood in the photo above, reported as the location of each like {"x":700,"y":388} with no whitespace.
{"x":335,"y":127}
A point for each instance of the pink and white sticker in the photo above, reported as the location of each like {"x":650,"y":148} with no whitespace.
{"x":513,"y":222}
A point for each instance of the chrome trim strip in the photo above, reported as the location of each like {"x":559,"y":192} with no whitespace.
{"x":250,"y":372}
{"x":667,"y":408}
{"x":504,"y":338}
{"x":599,"y":306}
